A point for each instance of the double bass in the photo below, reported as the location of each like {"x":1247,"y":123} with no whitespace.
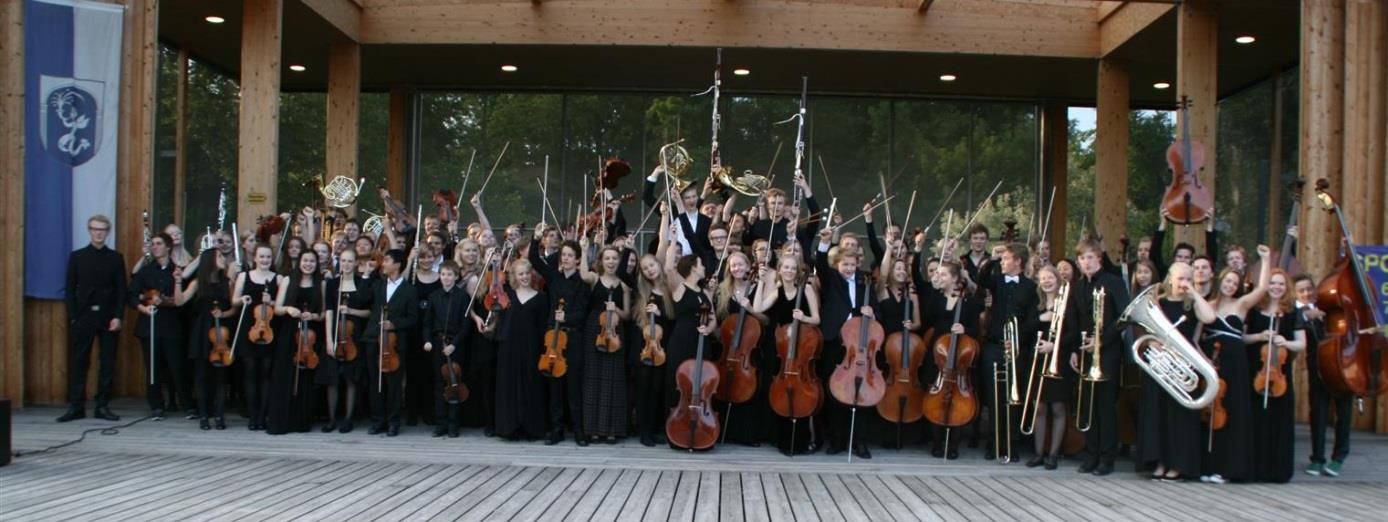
{"x":1286,"y":257}
{"x":1352,"y":354}
{"x":795,"y":392}
{"x":1186,"y":200}
{"x":693,"y":424}
{"x":739,"y":335}
{"x":951,"y":401}
{"x":901,"y":403}
{"x":552,"y":362}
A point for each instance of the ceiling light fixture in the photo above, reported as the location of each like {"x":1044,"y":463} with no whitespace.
{"x":1161,"y":85}
{"x":742,"y":71}
{"x":509,"y":68}
{"x":948,"y":77}
{"x":215,"y":19}
{"x":1245,"y":39}
{"x":297,"y":68}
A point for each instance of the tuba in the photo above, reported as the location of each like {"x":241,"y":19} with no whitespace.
{"x":341,"y":192}
{"x":676,"y":161}
{"x":1168,"y":357}
{"x":748,"y":184}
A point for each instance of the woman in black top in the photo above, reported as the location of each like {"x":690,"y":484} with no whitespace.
{"x":300,"y":306}
{"x":1169,"y":433}
{"x":735,"y":294}
{"x":1274,"y":321}
{"x":520,"y":392}
{"x":259,"y":285}
{"x":604,"y":373}
{"x":649,"y":392}
{"x":895,"y":288}
{"x":349,"y":297}
{"x":211,"y":292}
{"x":682,"y":274}
{"x":777,"y":294}
{"x":1055,"y":394}
{"x":419,"y":397}
{"x":939,"y":316}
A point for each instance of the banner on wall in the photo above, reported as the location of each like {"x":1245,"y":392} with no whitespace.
{"x":72,"y":68}
{"x":1374,"y":260}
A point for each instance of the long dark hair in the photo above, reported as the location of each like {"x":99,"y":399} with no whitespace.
{"x":315,"y":290}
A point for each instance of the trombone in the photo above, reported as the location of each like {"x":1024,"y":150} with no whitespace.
{"x":1049,"y":362}
{"x":1005,"y":377}
{"x":1095,"y":374}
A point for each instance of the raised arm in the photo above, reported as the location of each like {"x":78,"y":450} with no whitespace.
{"x":481,"y":216}
{"x":1251,"y":299}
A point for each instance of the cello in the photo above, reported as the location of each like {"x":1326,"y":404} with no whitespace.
{"x":901,"y":402}
{"x":1351,"y":355}
{"x":1186,"y":200}
{"x":552,"y":362}
{"x":219,"y":354}
{"x":795,"y":392}
{"x":857,"y":381}
{"x":652,"y":354}
{"x":1286,"y":257}
{"x":739,"y":335}
{"x":950,"y":401}
{"x":692,"y":423}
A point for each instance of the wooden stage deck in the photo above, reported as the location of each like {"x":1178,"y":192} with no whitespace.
{"x":170,"y":470}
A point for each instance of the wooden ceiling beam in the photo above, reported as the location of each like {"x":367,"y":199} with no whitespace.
{"x":345,"y":15}
{"x":1121,"y":24}
{"x":924,"y":6}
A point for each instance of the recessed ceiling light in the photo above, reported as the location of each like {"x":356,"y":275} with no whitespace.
{"x":742,"y":72}
{"x":1161,"y":85}
{"x":1245,"y":39}
{"x":297,"y":68}
{"x":948,"y":77}
{"x":509,"y":68}
{"x":215,"y":19}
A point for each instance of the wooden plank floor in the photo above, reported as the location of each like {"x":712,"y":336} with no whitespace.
{"x":170,"y":470}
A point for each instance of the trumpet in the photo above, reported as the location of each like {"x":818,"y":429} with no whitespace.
{"x":1050,"y":368}
{"x":1095,"y":374}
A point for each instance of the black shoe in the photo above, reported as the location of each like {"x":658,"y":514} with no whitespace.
{"x":647,"y":441}
{"x":221,"y":423}
{"x":204,"y":425}
{"x":192,"y":415}
{"x":394,"y":430}
{"x":73,"y":413}
{"x":834,"y":449}
{"x":104,"y":413}
{"x":346,"y":427}
{"x":861,"y":451}
{"x":453,"y":432}
{"x":156,"y":414}
{"x":1103,"y":469}
{"x":440,"y":431}
{"x":1036,"y":461}
{"x":554,"y":438}
{"x":581,"y":440}
{"x":376,"y":429}
{"x":937,"y":452}
{"x":1052,"y":462}
{"x":953,"y":454}
{"x":329,"y":427}
{"x":1088,"y":466}
{"x":489,"y":431}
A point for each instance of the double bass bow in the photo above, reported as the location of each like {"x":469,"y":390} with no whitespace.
{"x":1352,"y":354}
{"x":1186,"y":200}
{"x":693,"y":424}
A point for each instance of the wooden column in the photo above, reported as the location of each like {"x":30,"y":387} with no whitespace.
{"x":181,"y":139}
{"x":1276,"y":218}
{"x":12,"y":320}
{"x":1322,"y":126}
{"x":344,"y":95}
{"x":1055,"y":134}
{"x":258,"y":145}
{"x":1197,"y":46}
{"x":1111,"y":154}
{"x":397,"y":143}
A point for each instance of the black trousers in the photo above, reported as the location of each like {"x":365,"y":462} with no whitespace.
{"x":1321,"y":402}
{"x":255,"y":384}
{"x":443,"y":411}
{"x":987,"y":388}
{"x":168,"y":372}
{"x":1101,"y":441}
{"x":566,"y":393}
{"x":84,"y":331}
{"x":836,"y":419}
{"x":650,"y":400}
{"x":419,"y":380}
{"x":386,"y":390}
{"x":211,"y":383}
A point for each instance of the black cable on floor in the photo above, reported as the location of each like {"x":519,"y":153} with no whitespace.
{"x":109,"y":430}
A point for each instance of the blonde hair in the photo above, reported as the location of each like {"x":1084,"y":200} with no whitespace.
{"x":725,"y":286}
{"x":645,"y":288}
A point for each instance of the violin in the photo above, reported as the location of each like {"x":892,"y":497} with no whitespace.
{"x":1352,"y":362}
{"x":692,"y":423}
{"x":268,"y":226}
{"x":1186,"y":200}
{"x":495,"y":280}
{"x":152,"y":297}
{"x":1270,"y":381}
{"x":901,"y":403}
{"x":552,"y":363}
{"x":951,"y":401}
{"x":739,"y":335}
{"x":613,"y":170}
{"x":795,"y":391}
{"x":857,"y":381}
{"x":260,"y":332}
{"x":454,"y":391}
{"x":220,"y":353}
{"x":389,"y":360}
{"x":596,"y":218}
{"x":608,"y":340}
{"x":305,"y":358}
{"x":1216,"y":416}
{"x":346,"y":331}
{"x":394,"y":206}
{"x":447,"y":203}
{"x":652,"y":354}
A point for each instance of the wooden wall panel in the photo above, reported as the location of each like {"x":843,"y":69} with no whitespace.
{"x":1322,"y":125}
{"x":397,"y":143}
{"x":1111,"y":154}
{"x":1197,"y":72}
{"x":1055,"y":137}
{"x":12,"y":318}
{"x":258,"y":143}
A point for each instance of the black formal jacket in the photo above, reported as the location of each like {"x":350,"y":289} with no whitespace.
{"x":447,"y":314}
{"x":167,"y":322}
{"x":1010,"y":300}
{"x":402,"y":311}
{"x":835,"y":307}
{"x":1079,"y":315}
{"x":95,"y":285}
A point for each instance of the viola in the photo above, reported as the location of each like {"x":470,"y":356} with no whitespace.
{"x":552,"y":362}
{"x":1351,"y":356}
{"x":795,"y":392}
{"x":1270,"y":380}
{"x":652,"y":353}
{"x":454,"y":391}
{"x":495,"y":281}
{"x":951,"y":401}
{"x":346,"y":331}
{"x":220,"y":353}
{"x":389,"y":360}
{"x":692,"y":423}
{"x":1216,"y":416}
{"x":857,"y":381}
{"x":152,"y":296}
{"x":305,"y":358}
{"x":1186,"y":200}
{"x":261,"y":332}
{"x":901,"y":403}
{"x":740,"y":335}
{"x":608,"y":341}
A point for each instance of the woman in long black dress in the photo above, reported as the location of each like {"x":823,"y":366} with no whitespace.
{"x":211,"y":289}
{"x":939,"y":316}
{"x":745,"y":423}
{"x":1274,"y":321}
{"x":894,"y":287}
{"x":777,"y":295}
{"x":259,"y":285}
{"x":1230,"y":456}
{"x":419,"y":365}
{"x":1049,"y":428}
{"x":300,"y":307}
{"x":604,"y":373}
{"x":649,"y":390}
{"x":1171,"y":439}
{"x":520,"y":391}
{"x":349,"y":297}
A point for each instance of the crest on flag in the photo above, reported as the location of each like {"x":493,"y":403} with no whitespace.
{"x":70,"y":121}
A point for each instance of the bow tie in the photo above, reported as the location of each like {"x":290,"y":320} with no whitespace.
{"x":1011,"y":279}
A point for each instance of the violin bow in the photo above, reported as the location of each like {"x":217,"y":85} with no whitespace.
{"x":1046,"y":226}
{"x":981,"y":205}
{"x":825,"y":172}
{"x":881,"y":180}
{"x":458,"y":207}
{"x":493,"y":171}
{"x":943,"y":206}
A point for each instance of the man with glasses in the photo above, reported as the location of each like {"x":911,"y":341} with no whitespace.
{"x":95,"y":290}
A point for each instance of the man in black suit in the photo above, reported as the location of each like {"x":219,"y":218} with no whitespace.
{"x":1014,"y":297}
{"x":1101,"y":441}
{"x":693,"y":225}
{"x":845,"y":292}
{"x":95,"y":294}
{"x":399,"y":303}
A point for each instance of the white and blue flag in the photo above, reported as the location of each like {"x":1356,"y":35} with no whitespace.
{"x":72,"y":73}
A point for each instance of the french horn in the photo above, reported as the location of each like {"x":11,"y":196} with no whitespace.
{"x":1177,"y":366}
{"x":373,"y":225}
{"x":676,"y":161}
{"x":748,"y":184}
{"x":341,"y":192}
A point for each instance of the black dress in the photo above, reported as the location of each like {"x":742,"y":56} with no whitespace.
{"x":684,"y":341}
{"x":331,"y":370}
{"x":1231,"y":453}
{"x":648,"y":392}
{"x":1273,"y":442}
{"x":419,"y":364}
{"x":247,"y":349}
{"x":1170,"y":433}
{"x":746,"y":423}
{"x":291,"y":392}
{"x":939,"y":317}
{"x":1054,"y":390}
{"x":788,"y":440}
{"x":520,"y":390}
{"x":604,"y":374}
